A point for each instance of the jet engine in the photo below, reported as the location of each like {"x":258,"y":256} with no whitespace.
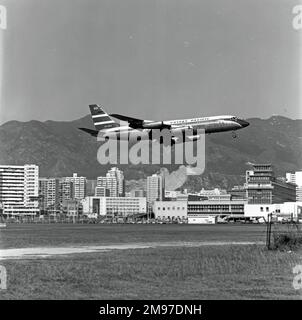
{"x":193,"y":138}
{"x":155,"y":125}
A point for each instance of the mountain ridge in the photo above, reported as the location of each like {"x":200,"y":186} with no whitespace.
{"x":60,"y":149}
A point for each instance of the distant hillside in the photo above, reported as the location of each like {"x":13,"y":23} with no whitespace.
{"x":60,"y":149}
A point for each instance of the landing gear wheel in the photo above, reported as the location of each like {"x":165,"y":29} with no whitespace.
{"x":234,"y":134}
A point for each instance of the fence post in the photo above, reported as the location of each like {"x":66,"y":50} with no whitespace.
{"x":269,"y":231}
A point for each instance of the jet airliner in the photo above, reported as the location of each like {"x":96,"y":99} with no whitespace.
{"x":105,"y":124}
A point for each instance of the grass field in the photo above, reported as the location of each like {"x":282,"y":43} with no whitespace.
{"x":32,"y":235}
{"x":205,"y":272}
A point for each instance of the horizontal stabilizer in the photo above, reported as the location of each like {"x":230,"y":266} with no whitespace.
{"x":94,"y":133}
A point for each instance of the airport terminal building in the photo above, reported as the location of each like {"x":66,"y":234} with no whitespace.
{"x":262,"y":187}
{"x":171,"y":210}
{"x":114,"y":206}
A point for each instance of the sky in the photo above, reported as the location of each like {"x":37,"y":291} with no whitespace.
{"x":150,"y":59}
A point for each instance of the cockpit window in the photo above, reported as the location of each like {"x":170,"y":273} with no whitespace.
{"x":234,"y":118}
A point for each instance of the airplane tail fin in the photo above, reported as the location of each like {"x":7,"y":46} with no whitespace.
{"x":101,"y":119}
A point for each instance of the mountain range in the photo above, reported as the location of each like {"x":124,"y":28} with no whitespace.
{"x":60,"y":149}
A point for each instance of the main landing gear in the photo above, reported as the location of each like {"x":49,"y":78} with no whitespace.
{"x":234,"y":135}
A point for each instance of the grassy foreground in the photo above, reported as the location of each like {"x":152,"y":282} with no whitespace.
{"x":209,"y":272}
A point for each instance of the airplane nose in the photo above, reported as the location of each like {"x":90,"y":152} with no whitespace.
{"x":243,"y":123}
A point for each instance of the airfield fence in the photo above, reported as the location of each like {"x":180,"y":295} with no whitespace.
{"x":283,"y":236}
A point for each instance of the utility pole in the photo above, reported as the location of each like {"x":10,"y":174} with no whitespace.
{"x":269,"y":230}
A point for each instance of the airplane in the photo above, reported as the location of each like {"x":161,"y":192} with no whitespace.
{"x":105,"y":125}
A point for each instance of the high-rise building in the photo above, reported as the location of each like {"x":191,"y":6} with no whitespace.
{"x":65,"y":190}
{"x":296,"y":178}
{"x":49,"y":195}
{"x":155,"y":189}
{"x":90,"y":187}
{"x":102,"y":192}
{"x":19,"y":189}
{"x":116,"y":180}
{"x":112,"y":184}
{"x":291,"y":177}
{"x":79,"y":186}
{"x":72,"y":208}
{"x":136,"y":193}
{"x":263,"y":187}
{"x":101,"y":182}
{"x":106,"y":186}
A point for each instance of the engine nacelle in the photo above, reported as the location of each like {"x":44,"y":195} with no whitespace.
{"x":175,"y":139}
{"x":154,"y":125}
{"x":193,"y":138}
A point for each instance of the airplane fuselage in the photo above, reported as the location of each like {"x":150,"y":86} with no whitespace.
{"x":180,"y":130}
{"x":208,"y":124}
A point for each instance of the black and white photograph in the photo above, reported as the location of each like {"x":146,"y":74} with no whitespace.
{"x":150,"y":150}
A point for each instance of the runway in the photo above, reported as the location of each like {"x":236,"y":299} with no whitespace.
{"x":45,"y":252}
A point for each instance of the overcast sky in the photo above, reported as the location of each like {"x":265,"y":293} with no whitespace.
{"x":150,"y":59}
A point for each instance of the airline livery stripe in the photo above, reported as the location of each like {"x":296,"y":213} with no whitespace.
{"x":104,"y":122}
{"x":99,"y":115}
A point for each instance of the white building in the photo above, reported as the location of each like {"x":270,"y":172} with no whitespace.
{"x":297,"y":179}
{"x":287,"y":209}
{"x":65,"y":190}
{"x":294,"y":178}
{"x":79,"y":186}
{"x":201,"y":219}
{"x":19,"y":189}
{"x":72,"y":208}
{"x":172,"y":194}
{"x":101,"y":191}
{"x":49,"y":194}
{"x":113,"y":182}
{"x":135,"y":193}
{"x":170,"y":210}
{"x":212,"y":192}
{"x":299,"y":193}
{"x":155,"y":189}
{"x":114,"y":206}
{"x":115,"y":177}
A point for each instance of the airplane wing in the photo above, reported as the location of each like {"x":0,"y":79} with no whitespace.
{"x":133,"y":122}
{"x":125,"y":118}
{"x":141,"y":124}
